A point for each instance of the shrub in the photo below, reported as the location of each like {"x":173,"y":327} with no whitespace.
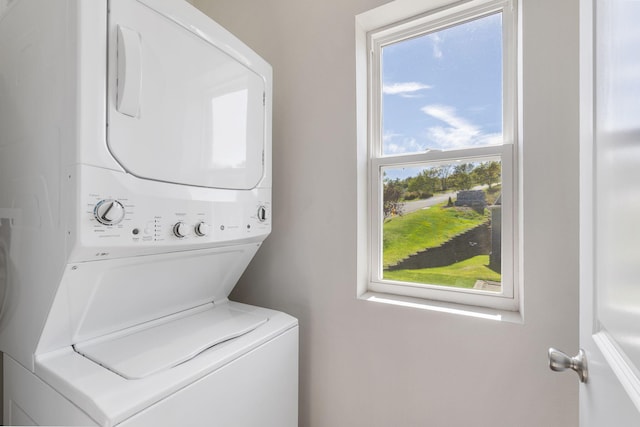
{"x":425,"y":195}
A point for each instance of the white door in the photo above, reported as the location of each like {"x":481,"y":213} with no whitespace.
{"x":182,"y":109}
{"x":610,"y":212}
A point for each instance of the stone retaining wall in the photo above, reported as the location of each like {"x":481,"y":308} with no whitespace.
{"x":473,"y":242}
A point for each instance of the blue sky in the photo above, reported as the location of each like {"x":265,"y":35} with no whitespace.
{"x":443,"y":90}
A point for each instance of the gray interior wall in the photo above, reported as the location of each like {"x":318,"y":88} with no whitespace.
{"x":375,"y":365}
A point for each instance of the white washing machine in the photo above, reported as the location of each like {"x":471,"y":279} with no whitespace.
{"x":135,"y":188}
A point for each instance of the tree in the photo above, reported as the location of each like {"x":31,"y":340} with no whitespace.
{"x":392,"y":192}
{"x":443,"y":173}
{"x":488,"y":173}
{"x":461,"y":178}
{"x":424,"y":184}
{"x":495,"y":173}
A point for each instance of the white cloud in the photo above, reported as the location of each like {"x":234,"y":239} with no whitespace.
{"x":458,"y":132}
{"x":396,"y":143}
{"x":388,"y":136}
{"x":491,"y":139}
{"x":407,"y":89}
{"x":437,"y":41}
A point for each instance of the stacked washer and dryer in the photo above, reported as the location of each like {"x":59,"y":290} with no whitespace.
{"x":135,"y":188}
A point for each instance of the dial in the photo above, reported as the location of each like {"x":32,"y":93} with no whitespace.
{"x":180,"y":229}
{"x":262,"y":214}
{"x":109,"y":212}
{"x":201,"y":228}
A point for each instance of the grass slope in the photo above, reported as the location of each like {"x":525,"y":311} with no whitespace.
{"x":461,"y":274}
{"x":426,"y":228}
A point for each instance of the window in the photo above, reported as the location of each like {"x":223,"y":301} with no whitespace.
{"x":440,"y":173}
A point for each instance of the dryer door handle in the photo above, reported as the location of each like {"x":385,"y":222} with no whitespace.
{"x":129,"y":71}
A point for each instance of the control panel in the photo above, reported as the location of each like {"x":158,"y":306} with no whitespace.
{"x":121,"y":215}
{"x":123,"y":220}
{"x":111,"y":221}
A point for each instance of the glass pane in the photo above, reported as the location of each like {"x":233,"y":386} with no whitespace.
{"x":443,"y":90}
{"x":617,"y":196}
{"x":442,"y":225}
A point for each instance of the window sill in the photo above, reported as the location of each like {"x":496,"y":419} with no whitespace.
{"x":443,"y":307}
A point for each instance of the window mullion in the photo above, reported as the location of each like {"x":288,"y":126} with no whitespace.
{"x":434,"y":157}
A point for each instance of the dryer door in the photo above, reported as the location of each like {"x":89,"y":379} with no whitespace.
{"x":182,"y":106}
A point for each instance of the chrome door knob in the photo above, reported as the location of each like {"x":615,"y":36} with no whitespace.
{"x":559,"y":361}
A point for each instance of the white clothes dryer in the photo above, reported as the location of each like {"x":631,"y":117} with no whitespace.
{"x":135,"y":188}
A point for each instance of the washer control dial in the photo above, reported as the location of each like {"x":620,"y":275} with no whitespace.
{"x":201,"y":228}
{"x":180,"y":229}
{"x":262,"y":213}
{"x":109,"y":212}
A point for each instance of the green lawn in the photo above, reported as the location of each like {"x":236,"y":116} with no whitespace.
{"x":426,"y":228}
{"x":461,"y":274}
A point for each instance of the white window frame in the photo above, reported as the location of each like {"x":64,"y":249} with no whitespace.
{"x":397,"y":21}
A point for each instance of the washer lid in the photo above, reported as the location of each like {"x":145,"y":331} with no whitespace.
{"x":143,"y":352}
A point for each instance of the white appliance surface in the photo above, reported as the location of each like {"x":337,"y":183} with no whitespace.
{"x":110,"y":398}
{"x":152,"y":209}
{"x":95,"y":299}
{"x":210,"y":104}
{"x":58,"y":178}
{"x":256,"y":389}
{"x":165,"y":343}
{"x":29,"y":401}
{"x":135,"y":188}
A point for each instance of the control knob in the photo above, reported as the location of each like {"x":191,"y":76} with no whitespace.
{"x":262,"y":214}
{"x":180,"y":229}
{"x":109,"y":212}
{"x":201,"y":228}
